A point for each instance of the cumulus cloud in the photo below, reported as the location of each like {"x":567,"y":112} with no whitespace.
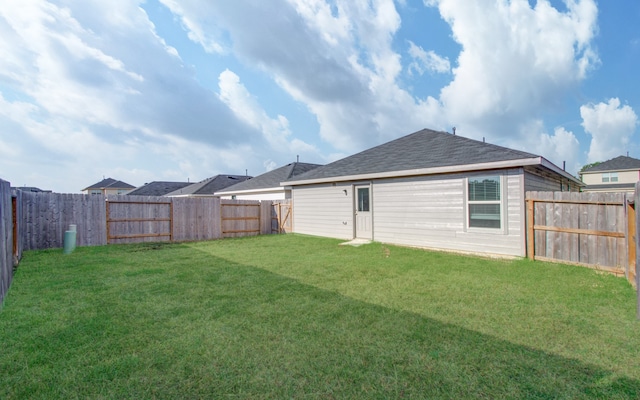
{"x":246,"y":107}
{"x":516,"y":60}
{"x":611,"y":126}
{"x":560,"y":147}
{"x":340,"y":62}
{"x":424,"y":61}
{"x":94,"y":78}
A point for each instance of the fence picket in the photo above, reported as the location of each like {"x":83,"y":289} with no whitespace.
{"x":582,"y":228}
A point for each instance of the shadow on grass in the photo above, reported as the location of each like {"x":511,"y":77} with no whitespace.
{"x":250,"y":333}
{"x":320,"y":341}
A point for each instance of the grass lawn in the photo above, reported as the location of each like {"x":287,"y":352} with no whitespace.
{"x":289,"y":316}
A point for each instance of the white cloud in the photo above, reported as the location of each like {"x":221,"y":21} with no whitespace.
{"x":90,"y":88}
{"x":516,"y":61}
{"x":275,"y":131}
{"x":427,"y":61}
{"x":337,"y":59}
{"x":611,"y":127}
{"x":560,"y":147}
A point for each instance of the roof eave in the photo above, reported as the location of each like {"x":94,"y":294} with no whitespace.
{"x":435,"y":170}
{"x":549,"y":165}
{"x":610,"y":170}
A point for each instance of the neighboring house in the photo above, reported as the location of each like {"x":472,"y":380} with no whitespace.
{"x":428,"y":189}
{"x":616,"y":175}
{"x":267,"y":186}
{"x":31,"y":189}
{"x":108,"y":186}
{"x":158,"y":188}
{"x":209,"y":186}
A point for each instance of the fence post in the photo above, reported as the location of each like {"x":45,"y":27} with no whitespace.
{"x":636,"y":204}
{"x":530,"y":230}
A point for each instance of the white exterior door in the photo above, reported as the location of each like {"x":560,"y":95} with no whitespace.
{"x":363,"y":212}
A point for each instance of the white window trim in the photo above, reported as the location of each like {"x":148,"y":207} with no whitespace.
{"x":503,"y":205}
{"x":609,"y":177}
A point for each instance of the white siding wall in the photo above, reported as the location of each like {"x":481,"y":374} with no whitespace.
{"x":425,"y":211}
{"x":271,"y":195}
{"x":431,"y":212}
{"x":595,"y":178}
{"x":323,"y":210}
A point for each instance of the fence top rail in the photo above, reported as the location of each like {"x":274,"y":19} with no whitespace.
{"x":137,"y":202}
{"x":598,"y":203}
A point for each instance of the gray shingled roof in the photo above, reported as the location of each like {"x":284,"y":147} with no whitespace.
{"x":419,"y":150}
{"x":273,"y":178}
{"x":616,"y":164}
{"x":610,"y":186}
{"x":31,"y":189}
{"x":210,"y":185}
{"x":158,"y":188}
{"x":110,"y":183}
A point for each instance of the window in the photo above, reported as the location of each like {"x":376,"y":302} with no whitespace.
{"x":96,"y":191}
{"x":484,"y":202}
{"x":363,"y":199}
{"x":610,"y":177}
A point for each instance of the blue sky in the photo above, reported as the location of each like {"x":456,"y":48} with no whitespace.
{"x":183,"y":90}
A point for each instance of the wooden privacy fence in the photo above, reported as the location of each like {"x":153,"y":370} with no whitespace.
{"x":44,"y":217}
{"x":281,"y":217}
{"x":6,"y":239}
{"x":591,"y":229}
{"x":139,"y":220}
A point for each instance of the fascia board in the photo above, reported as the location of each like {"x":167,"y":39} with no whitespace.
{"x":549,"y":165}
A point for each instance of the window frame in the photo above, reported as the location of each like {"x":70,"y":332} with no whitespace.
{"x":501,"y":204}
{"x":609,"y":177}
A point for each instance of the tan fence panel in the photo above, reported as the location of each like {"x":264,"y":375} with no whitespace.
{"x":134,"y":219}
{"x":583,"y":228}
{"x":281,"y":216}
{"x":240,"y":218}
{"x":196,"y":218}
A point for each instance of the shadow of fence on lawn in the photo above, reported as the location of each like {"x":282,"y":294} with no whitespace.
{"x":391,"y":353}
{"x":227,"y":329}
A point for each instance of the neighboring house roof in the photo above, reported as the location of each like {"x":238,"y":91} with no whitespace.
{"x":272,"y":178}
{"x":610,"y":187}
{"x":30,"y":189}
{"x":209,"y":186}
{"x":424,"y":152}
{"x":158,"y":188}
{"x":616,"y":164}
{"x":110,"y":183}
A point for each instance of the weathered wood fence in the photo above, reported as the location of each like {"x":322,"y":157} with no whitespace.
{"x":6,"y":238}
{"x":281,"y":217}
{"x":129,"y":219}
{"x":591,"y":229}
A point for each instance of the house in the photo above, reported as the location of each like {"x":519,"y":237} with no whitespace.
{"x":267,"y":186}
{"x":209,"y":186}
{"x":619,"y":174}
{"x":158,"y":188}
{"x":427,"y":189}
{"x":108,"y":186}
